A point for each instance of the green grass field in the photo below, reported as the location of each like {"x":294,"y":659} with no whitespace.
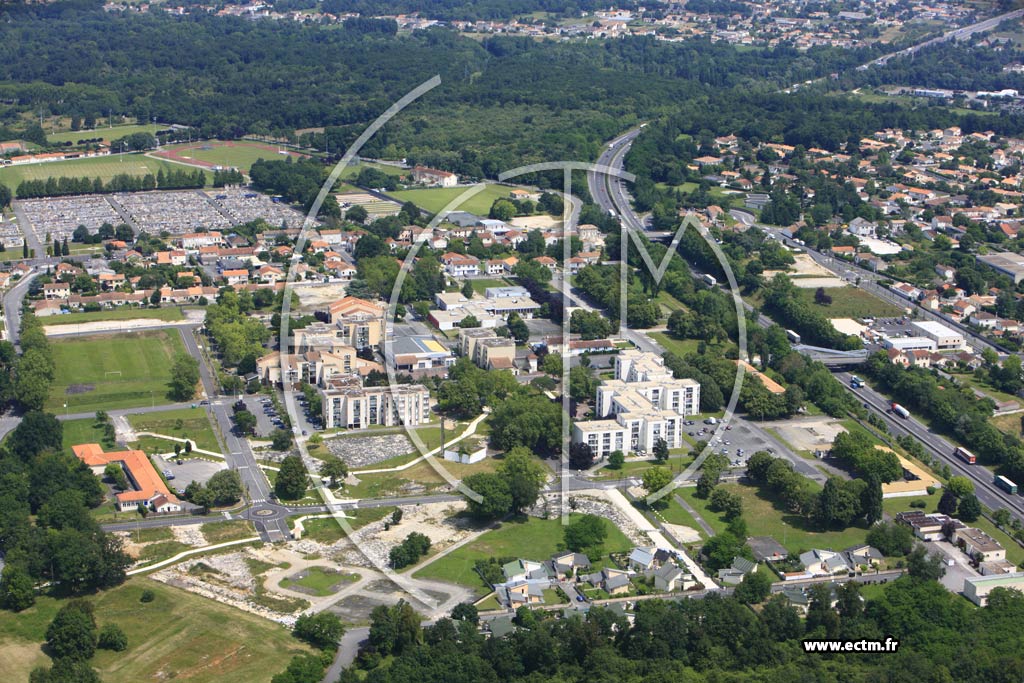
{"x":321,"y":581}
{"x":852,"y":302}
{"x":680,"y":347}
{"x":80,"y":431}
{"x":107,"y":134}
{"x":168,"y":314}
{"x":352,"y":170}
{"x":178,"y":635}
{"x":240,"y":154}
{"x":100,"y":167}
{"x":327,"y":530}
{"x":104,"y":372}
{"x":480,"y":286}
{"x":765,"y":519}
{"x":184,"y":423}
{"x":435,"y":199}
{"x":532,"y":539}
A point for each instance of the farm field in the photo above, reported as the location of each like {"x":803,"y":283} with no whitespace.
{"x":178,"y":635}
{"x":240,"y":155}
{"x":104,"y":168}
{"x":107,"y":134}
{"x":436,"y":198}
{"x":535,"y":539}
{"x":103,"y":372}
{"x":184,"y":423}
{"x":167,"y":314}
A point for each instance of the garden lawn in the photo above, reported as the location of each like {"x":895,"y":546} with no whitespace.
{"x":436,"y":198}
{"x":530,"y":538}
{"x":183,"y":423}
{"x":124,"y":313}
{"x":178,"y":635}
{"x":104,"y":372}
{"x":80,"y":431}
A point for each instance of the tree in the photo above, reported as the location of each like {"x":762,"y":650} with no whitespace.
{"x":17,"y":590}
{"x":306,"y":668}
{"x":245,"y":421}
{"x":356,"y":214}
{"x":660,"y":450}
{"x":465,"y":611}
{"x":959,"y":486}
{"x":871,"y":500}
{"x":467,"y":289}
{"x":585,"y":534}
{"x":518,"y":328}
{"x":616,"y":459}
{"x":409,"y":551}
{"x":37,"y":432}
{"x":281,"y":440}
{"x":112,"y":638}
{"x":72,"y":633}
{"x":503,"y":210}
{"x":394,"y":629}
{"x":581,"y":456}
{"x":322,"y":630}
{"x":115,"y":473}
{"x":495,"y":496}
{"x":969,"y":509}
{"x":184,"y":377}
{"x":720,"y":550}
{"x":335,"y":468}
{"x":947,"y":503}
{"x":225,"y":488}
{"x":396,"y":516}
{"x":754,"y":588}
{"x":655,"y":479}
{"x":924,"y":566}
{"x":291,"y":479}
{"x":837,"y":506}
{"x":525,"y":477}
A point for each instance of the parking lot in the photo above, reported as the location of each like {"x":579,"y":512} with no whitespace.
{"x":893,"y":327}
{"x":738,"y":435}
{"x":268,"y":419}
{"x":190,"y":469}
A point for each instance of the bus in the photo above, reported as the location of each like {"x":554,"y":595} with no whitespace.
{"x":1005,"y":484}
{"x":709,"y":280}
{"x":793,"y":336}
{"x":965,"y":455}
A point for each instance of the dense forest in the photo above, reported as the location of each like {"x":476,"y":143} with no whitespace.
{"x":503,"y":102}
{"x":717,"y":639}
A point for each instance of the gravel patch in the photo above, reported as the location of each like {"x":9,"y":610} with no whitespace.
{"x":363,"y":451}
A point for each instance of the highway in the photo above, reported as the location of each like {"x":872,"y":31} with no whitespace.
{"x":987,"y":493}
{"x":613,"y":197}
{"x":869,"y":281}
{"x":953,"y":34}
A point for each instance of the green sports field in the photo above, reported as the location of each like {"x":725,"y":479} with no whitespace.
{"x":241,"y":154}
{"x":107,"y":134}
{"x":436,"y":198}
{"x":99,"y":167}
{"x":104,"y":372}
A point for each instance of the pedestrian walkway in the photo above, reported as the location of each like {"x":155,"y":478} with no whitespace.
{"x":696,"y":515}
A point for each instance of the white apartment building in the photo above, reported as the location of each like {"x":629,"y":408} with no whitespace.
{"x":349,"y":405}
{"x":644,"y":403}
